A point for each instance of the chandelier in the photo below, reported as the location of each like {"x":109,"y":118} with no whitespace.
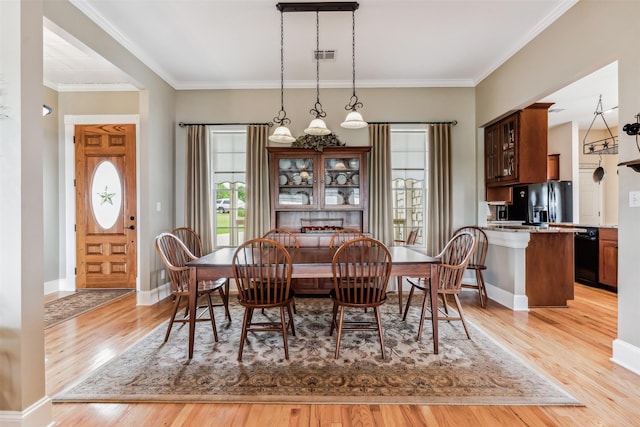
{"x":317,"y":126}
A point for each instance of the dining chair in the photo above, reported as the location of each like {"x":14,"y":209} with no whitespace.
{"x":477,"y":262}
{"x":361,"y":268}
{"x":454,"y":260}
{"x":411,"y":240}
{"x":289,"y":240}
{"x":193,"y":242}
{"x":284,"y":237}
{"x":175,"y":255}
{"x":262,"y":270}
{"x":341,"y":236}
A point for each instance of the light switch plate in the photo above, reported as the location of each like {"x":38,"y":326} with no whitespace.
{"x":634,"y":199}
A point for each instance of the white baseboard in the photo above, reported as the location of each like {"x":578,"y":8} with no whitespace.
{"x":52,"y":286}
{"x":38,"y":414}
{"x":509,"y":300}
{"x":626,"y":355}
{"x":153,"y":296}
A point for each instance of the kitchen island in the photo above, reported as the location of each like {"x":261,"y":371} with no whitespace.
{"x":530,"y":266}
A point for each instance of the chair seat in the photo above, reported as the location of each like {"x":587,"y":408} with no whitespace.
{"x":206,"y":286}
{"x":419,"y":282}
{"x":355,"y":295}
{"x":250,"y":302}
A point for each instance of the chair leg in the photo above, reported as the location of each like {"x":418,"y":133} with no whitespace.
{"x":406,"y":309}
{"x":482,"y":290}
{"x":243,"y":334}
{"x":380,"y":334}
{"x":225,"y":299}
{"x":427,"y":296}
{"x":173,"y":317}
{"x":459,"y":307}
{"x":333,"y":318}
{"x":339,"y":336}
{"x":400,"y":293}
{"x":283,"y":323}
{"x":289,"y":310}
{"x":444,"y":302}
{"x":213,"y":318}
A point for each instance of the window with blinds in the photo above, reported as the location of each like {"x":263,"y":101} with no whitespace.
{"x":227,"y":147}
{"x":409,"y":153}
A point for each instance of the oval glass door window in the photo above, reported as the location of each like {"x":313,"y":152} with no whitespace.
{"x":106,"y":194}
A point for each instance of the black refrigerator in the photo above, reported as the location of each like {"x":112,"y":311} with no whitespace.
{"x":550,"y":201}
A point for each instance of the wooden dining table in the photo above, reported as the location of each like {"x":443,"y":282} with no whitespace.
{"x":309,"y":262}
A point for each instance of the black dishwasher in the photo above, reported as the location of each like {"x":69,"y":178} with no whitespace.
{"x":586,"y":256}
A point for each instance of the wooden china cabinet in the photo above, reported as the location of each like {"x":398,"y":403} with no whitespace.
{"x":314,"y":193}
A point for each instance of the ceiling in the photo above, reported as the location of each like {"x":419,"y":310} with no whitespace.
{"x":235,"y":44}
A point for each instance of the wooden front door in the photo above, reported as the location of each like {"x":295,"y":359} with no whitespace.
{"x":105,"y":178}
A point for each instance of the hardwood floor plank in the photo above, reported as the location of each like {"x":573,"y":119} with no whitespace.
{"x":571,"y":346}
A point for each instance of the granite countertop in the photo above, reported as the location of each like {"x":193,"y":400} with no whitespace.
{"x":533,"y":228}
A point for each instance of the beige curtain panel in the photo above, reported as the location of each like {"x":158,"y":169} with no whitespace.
{"x":380,"y":203}
{"x":439,"y":188}
{"x":257,"y":220}
{"x":198,"y":187}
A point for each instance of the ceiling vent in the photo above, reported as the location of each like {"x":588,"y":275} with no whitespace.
{"x":324,"y":55}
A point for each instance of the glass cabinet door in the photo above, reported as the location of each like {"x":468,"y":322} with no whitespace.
{"x":342,"y":181}
{"x":295,"y":182}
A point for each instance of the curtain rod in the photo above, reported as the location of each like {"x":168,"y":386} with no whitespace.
{"x":452,"y":122}
{"x":183,"y":124}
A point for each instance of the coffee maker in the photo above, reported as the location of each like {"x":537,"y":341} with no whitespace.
{"x":501,"y":212}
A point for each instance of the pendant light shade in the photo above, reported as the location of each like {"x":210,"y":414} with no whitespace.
{"x":282,"y":134}
{"x":354,"y":119}
{"x":317,"y":125}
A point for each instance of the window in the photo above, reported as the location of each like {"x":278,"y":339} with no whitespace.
{"x":409,"y":187}
{"x":228,"y":163}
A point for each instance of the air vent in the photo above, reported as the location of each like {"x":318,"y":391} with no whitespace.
{"x":324,"y":55}
{"x":556,"y":110}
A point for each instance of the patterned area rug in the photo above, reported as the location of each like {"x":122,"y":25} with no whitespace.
{"x":73,"y":305}
{"x":466,"y":372}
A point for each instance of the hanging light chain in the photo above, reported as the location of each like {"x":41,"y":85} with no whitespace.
{"x":282,"y":118}
{"x":354,"y":103}
{"x":317,"y":110}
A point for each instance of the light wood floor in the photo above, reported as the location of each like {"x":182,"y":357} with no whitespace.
{"x":571,"y":345}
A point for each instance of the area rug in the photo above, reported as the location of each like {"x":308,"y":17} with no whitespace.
{"x":465,"y":372}
{"x":79,"y":302}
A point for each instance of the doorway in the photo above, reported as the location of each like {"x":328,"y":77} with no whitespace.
{"x":68,"y":244}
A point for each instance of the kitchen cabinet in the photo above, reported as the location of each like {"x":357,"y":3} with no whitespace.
{"x":553,"y":167}
{"x":516,"y":148}
{"x":608,"y":257}
{"x":314,"y":193}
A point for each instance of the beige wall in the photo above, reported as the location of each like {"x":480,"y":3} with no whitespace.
{"x":416,"y":104}
{"x":156,"y":109}
{"x":567,"y":50}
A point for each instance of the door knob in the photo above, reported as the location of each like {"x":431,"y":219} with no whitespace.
{"x":132,"y":227}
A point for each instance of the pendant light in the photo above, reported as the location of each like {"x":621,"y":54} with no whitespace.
{"x":317,"y":125}
{"x":282,"y":133}
{"x":354,"y":119}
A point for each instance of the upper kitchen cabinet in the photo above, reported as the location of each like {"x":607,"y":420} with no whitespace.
{"x":516,"y":148}
{"x":329,"y":186}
